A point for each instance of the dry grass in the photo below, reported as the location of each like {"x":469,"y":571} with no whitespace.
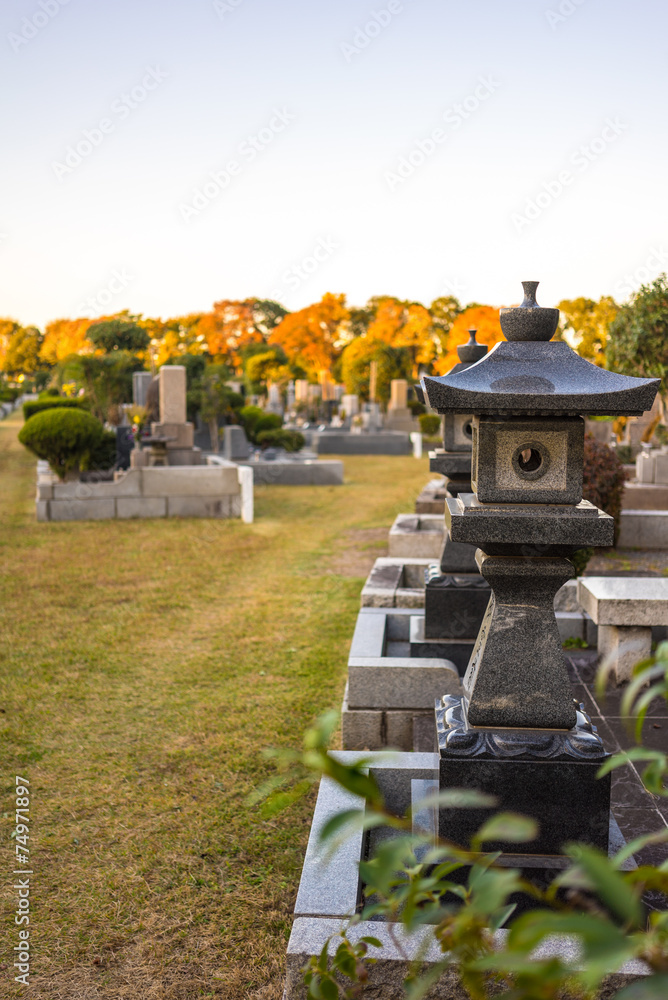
{"x":144,"y":667}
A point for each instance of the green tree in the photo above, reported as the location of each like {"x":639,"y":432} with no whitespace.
{"x":217,"y":400}
{"x":444,"y":311}
{"x":391,"y":362}
{"x":586,"y":323}
{"x":22,"y":357}
{"x":638,"y":340}
{"x":118,"y":334}
{"x":107,"y":380}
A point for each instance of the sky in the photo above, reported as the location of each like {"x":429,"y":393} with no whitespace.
{"x":158,"y":157}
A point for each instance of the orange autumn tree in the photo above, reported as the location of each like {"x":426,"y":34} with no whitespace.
{"x":313,"y":337}
{"x":228,"y":328}
{"x":8,"y":327}
{"x":404,"y":324}
{"x":63,"y":337}
{"x":485,"y":319}
{"x":172,"y":338}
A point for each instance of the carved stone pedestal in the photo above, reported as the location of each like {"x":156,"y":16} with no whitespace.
{"x":544,"y":773}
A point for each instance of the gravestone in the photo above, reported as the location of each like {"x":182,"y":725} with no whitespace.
{"x":140,"y":383}
{"x":173,"y":424}
{"x":235,"y":444}
{"x":399,"y":417}
{"x":350,"y":404}
{"x":517,"y":732}
{"x":274,"y":404}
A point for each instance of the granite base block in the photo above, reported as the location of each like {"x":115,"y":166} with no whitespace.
{"x":548,"y":774}
{"x":454,"y":605}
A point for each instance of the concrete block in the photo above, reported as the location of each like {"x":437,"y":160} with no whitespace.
{"x":307,"y":473}
{"x":361,"y":730}
{"x":623,"y":647}
{"x":409,"y":597}
{"x":424,"y":733}
{"x":369,"y":635}
{"x":199,"y":506}
{"x":184,"y":456}
{"x":190,"y":481}
{"x":645,"y":496}
{"x":44,"y":491}
{"x":399,"y":730}
{"x":623,"y":600}
{"x":643,"y":529}
{"x":400,"y":682}
{"x":417,"y":536}
{"x":183,"y":435}
{"x":332,"y":896}
{"x":141,"y":507}
{"x":82,"y":510}
{"x":42,"y":510}
{"x":571,"y":625}
{"x":129,"y":485}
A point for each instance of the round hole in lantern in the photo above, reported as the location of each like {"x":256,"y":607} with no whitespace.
{"x":531,"y":461}
{"x":468,"y":429}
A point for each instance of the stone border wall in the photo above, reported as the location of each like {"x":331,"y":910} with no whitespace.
{"x":165,"y":491}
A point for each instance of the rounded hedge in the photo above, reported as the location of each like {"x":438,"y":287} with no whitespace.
{"x":281,"y":438}
{"x":430,"y":424}
{"x":33,"y":406}
{"x":65,"y":437}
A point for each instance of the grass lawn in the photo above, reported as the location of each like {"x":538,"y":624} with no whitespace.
{"x":145,"y":664}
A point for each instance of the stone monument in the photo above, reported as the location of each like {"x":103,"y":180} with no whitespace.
{"x":173,"y":424}
{"x":517,"y":732}
{"x":399,"y":417}
{"x":140,"y":383}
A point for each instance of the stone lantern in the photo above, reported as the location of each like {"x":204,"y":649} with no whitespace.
{"x":456,"y":596}
{"x":517,"y":731}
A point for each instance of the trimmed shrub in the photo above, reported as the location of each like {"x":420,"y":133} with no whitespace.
{"x":602,"y":485}
{"x":281,"y":438}
{"x":255,"y":421}
{"x":430,"y":424}
{"x":102,"y":455}
{"x":33,"y":406}
{"x":64,"y":436}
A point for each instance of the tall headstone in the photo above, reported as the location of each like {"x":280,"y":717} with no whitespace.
{"x":140,"y":383}
{"x":274,"y":404}
{"x":350,"y":403}
{"x":173,"y":423}
{"x":172,"y":394}
{"x":517,"y":732}
{"x":399,"y":417}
